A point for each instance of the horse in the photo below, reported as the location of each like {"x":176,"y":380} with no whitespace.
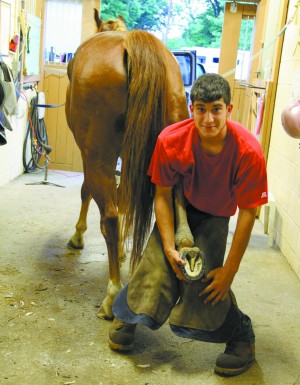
{"x":124,"y":88}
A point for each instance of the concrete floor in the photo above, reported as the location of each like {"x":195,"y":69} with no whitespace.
{"x":49,"y":297}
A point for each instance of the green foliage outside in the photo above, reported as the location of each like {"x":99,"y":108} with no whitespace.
{"x":200,"y":21}
{"x":139,"y":14}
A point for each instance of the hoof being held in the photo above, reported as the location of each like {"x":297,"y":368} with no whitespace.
{"x":194,"y":267}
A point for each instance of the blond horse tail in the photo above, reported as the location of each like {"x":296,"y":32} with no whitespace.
{"x":146,"y":117}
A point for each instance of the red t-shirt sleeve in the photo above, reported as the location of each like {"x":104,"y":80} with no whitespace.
{"x":160,"y":168}
{"x":251,"y":187}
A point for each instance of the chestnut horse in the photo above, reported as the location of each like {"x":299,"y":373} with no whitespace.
{"x":125,"y":87}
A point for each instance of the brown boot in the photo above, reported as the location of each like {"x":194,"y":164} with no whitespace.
{"x":121,"y":335}
{"x":236,"y":358}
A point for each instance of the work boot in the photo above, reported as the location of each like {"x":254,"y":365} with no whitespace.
{"x":240,"y":350}
{"x":236,"y":358}
{"x":121,"y":335}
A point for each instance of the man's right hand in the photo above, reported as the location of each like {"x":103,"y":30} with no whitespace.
{"x":165,"y":221}
{"x":175,"y":260}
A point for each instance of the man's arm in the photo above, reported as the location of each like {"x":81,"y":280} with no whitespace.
{"x":165,"y":221}
{"x":222,"y":277}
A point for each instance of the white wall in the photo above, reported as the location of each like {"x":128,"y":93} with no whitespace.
{"x":11,"y":164}
{"x":284,"y":154}
{"x":10,"y":153}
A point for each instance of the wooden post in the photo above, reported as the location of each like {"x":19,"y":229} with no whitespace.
{"x":88,"y":25}
{"x":41,"y":10}
{"x":230,"y":42}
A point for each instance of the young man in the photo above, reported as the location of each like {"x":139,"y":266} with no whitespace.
{"x":222,"y":168}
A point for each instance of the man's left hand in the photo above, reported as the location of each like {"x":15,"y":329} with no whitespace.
{"x":221,"y":280}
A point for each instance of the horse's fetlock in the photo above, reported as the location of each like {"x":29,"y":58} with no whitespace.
{"x":113,"y":289}
{"x":105,"y":311}
{"x":76,"y":241}
{"x":184,"y":243}
{"x":184,"y":237}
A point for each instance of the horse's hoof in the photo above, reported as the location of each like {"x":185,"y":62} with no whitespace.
{"x":194,"y":267}
{"x":107,"y":315}
{"x":72,"y":245}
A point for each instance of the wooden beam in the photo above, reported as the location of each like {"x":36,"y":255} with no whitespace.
{"x":268,"y":121}
{"x":249,"y":10}
{"x":88,"y":25}
{"x":247,"y":1}
{"x":42,"y":44}
{"x":230,"y":42}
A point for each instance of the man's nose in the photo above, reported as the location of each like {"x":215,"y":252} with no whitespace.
{"x":208,"y":116}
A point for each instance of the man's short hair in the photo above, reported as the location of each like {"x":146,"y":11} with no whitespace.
{"x":209,"y":88}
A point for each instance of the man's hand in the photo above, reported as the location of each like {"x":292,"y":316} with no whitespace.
{"x":175,"y":260}
{"x":165,"y":221}
{"x":221,"y":280}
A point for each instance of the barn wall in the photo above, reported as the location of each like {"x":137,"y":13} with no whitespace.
{"x":284,"y":151}
{"x":11,"y":163}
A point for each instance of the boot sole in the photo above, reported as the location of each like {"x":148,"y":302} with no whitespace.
{"x":232,"y":372}
{"x":119,"y":347}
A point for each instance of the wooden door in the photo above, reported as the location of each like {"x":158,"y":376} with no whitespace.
{"x":65,"y":153}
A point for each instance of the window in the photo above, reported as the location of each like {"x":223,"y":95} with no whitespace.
{"x":243,"y":56}
{"x":62,"y":29}
{"x":184,"y":61}
{"x":202,"y":59}
{"x":199,"y":69}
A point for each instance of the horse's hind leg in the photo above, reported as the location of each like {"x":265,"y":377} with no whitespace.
{"x":76,"y":241}
{"x":103,"y":189}
{"x":109,"y":229}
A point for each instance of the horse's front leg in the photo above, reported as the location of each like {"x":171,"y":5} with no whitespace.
{"x":76,"y":241}
{"x":183,"y":235}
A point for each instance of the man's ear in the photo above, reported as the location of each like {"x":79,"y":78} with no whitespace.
{"x":229,"y":108}
{"x":191,"y":108}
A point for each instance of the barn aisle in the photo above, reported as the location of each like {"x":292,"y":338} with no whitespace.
{"x":49,"y":297}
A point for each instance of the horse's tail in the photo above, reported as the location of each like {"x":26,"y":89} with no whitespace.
{"x":146,"y":117}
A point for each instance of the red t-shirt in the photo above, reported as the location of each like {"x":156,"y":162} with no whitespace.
{"x":217,"y":184}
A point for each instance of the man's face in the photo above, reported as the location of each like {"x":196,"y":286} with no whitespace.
{"x":210,"y":118}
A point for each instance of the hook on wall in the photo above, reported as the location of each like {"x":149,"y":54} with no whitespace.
{"x":233,"y":7}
